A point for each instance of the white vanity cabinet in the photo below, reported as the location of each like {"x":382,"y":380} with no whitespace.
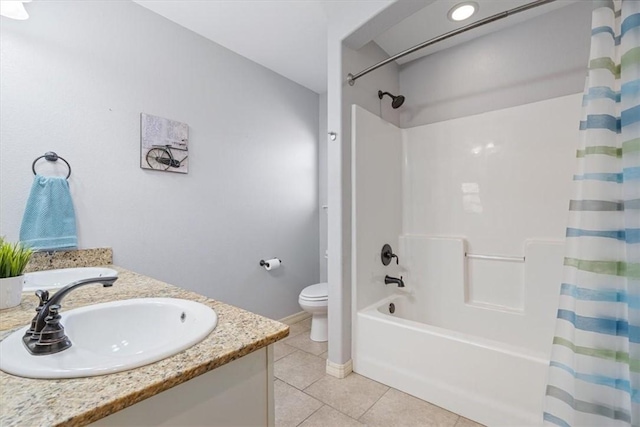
{"x":239,"y":393}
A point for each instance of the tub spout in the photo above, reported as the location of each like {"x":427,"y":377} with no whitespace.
{"x":388,"y":279}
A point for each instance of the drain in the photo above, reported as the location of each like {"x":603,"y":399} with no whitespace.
{"x":392,"y":308}
{"x":183,"y":316}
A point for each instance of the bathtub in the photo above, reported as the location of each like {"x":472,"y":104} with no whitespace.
{"x":490,"y":382}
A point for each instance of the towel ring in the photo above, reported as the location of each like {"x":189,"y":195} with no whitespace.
{"x":52,"y":157}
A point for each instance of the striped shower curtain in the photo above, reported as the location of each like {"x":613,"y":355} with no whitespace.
{"x":594,"y":374}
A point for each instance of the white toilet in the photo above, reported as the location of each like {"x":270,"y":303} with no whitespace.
{"x":314,"y":300}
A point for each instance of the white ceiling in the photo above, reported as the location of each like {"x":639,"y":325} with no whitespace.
{"x":290,"y":37}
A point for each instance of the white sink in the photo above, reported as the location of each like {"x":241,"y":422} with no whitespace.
{"x":113,"y":337}
{"x":54,"y":279}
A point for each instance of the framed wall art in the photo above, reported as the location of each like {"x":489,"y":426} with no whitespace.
{"x":164,"y":144}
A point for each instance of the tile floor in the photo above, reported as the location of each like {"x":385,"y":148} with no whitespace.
{"x":306,"y":396}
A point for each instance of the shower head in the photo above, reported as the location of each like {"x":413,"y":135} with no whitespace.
{"x":397,"y":100}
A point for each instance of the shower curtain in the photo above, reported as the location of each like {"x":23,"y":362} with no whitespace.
{"x":594,"y":374}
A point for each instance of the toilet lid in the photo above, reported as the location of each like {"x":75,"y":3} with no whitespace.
{"x":316,"y":292}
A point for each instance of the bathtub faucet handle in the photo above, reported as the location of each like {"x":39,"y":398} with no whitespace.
{"x":396,"y":257}
{"x":387,"y":255}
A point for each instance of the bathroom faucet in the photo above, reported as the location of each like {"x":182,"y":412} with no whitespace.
{"x":388,"y":279}
{"x":46,"y":334}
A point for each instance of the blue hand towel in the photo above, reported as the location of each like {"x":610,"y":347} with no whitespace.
{"x":49,"y":221}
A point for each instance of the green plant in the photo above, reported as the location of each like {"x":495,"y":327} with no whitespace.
{"x":13,"y":258}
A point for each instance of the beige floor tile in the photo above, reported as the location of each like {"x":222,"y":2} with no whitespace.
{"x":306,"y":323}
{"x":291,"y":405}
{"x":325,"y":355}
{"x":298,"y":328}
{"x":329,"y":417}
{"x":300,"y":369}
{"x":303,"y":342}
{"x":352,"y":395}
{"x":281,"y":350}
{"x":396,"y":408}
{"x":465,"y":422}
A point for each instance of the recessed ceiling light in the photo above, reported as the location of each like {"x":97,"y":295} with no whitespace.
{"x":463,"y":11}
{"x":14,"y":9}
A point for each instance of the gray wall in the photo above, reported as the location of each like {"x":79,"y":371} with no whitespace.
{"x":322,"y":186}
{"x":542,"y":58}
{"x":75,"y":78}
{"x":365,"y":92}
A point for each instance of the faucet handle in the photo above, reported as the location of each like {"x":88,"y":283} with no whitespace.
{"x":53,"y":310}
{"x":386,"y":255}
{"x":43,"y":296}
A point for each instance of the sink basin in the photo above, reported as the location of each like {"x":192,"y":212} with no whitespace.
{"x":54,"y":279}
{"x":113,"y":337}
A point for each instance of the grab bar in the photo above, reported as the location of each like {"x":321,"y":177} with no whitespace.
{"x":496,"y":257}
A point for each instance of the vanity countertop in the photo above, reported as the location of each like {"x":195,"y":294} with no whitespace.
{"x":77,"y":402}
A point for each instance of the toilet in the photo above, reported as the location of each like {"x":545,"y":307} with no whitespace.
{"x":314,"y":300}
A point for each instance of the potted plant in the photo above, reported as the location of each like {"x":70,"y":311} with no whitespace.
{"x":13,"y":260}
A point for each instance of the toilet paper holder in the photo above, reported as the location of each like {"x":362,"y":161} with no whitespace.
{"x":264,"y":263}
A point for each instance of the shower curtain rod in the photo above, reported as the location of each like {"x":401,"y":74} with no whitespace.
{"x":351,"y":78}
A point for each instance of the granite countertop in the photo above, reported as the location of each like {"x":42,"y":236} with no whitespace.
{"x":77,"y":402}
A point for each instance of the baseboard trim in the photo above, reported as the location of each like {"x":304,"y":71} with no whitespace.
{"x":295,"y":318}
{"x":339,"y":371}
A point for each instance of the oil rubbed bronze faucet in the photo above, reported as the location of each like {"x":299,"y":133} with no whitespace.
{"x":388,"y":280}
{"x":46,"y":334}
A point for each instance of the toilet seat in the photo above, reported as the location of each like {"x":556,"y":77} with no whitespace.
{"x":319,"y":292}
{"x":325,"y":299}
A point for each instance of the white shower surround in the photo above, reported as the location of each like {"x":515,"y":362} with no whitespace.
{"x":472,"y":336}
